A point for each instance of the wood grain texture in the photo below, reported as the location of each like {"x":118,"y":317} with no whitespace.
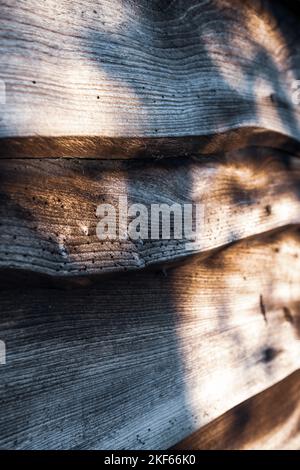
{"x":147,"y":69}
{"x":119,"y":148}
{"x":267,"y":421}
{"x":143,"y":360}
{"x":48,"y":207}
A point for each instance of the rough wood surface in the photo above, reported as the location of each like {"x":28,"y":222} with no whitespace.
{"x":267,"y":421}
{"x":48,"y":207}
{"x":143,"y":68}
{"x":143,"y":360}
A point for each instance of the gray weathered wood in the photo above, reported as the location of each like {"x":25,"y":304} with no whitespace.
{"x":48,"y":207}
{"x":143,"y":360}
{"x":101,"y":69}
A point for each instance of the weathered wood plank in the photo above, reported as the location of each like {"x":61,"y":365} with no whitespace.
{"x":143,"y":360}
{"x":48,"y":207}
{"x":267,"y":421}
{"x":119,"y":148}
{"x":101,"y":69}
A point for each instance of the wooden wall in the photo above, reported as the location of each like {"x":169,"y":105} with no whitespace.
{"x":267,"y":421}
{"x":147,"y":344}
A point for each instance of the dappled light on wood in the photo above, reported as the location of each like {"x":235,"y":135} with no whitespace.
{"x":149,"y":224}
{"x":143,"y":70}
{"x":245,"y":297}
{"x":54,"y":228}
{"x":266,"y":421}
{"x":70,"y":343}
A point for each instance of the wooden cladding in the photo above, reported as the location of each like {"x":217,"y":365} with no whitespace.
{"x":48,"y":207}
{"x":267,"y":421}
{"x":143,"y":360}
{"x":144,"y":344}
{"x":148,"y":69}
